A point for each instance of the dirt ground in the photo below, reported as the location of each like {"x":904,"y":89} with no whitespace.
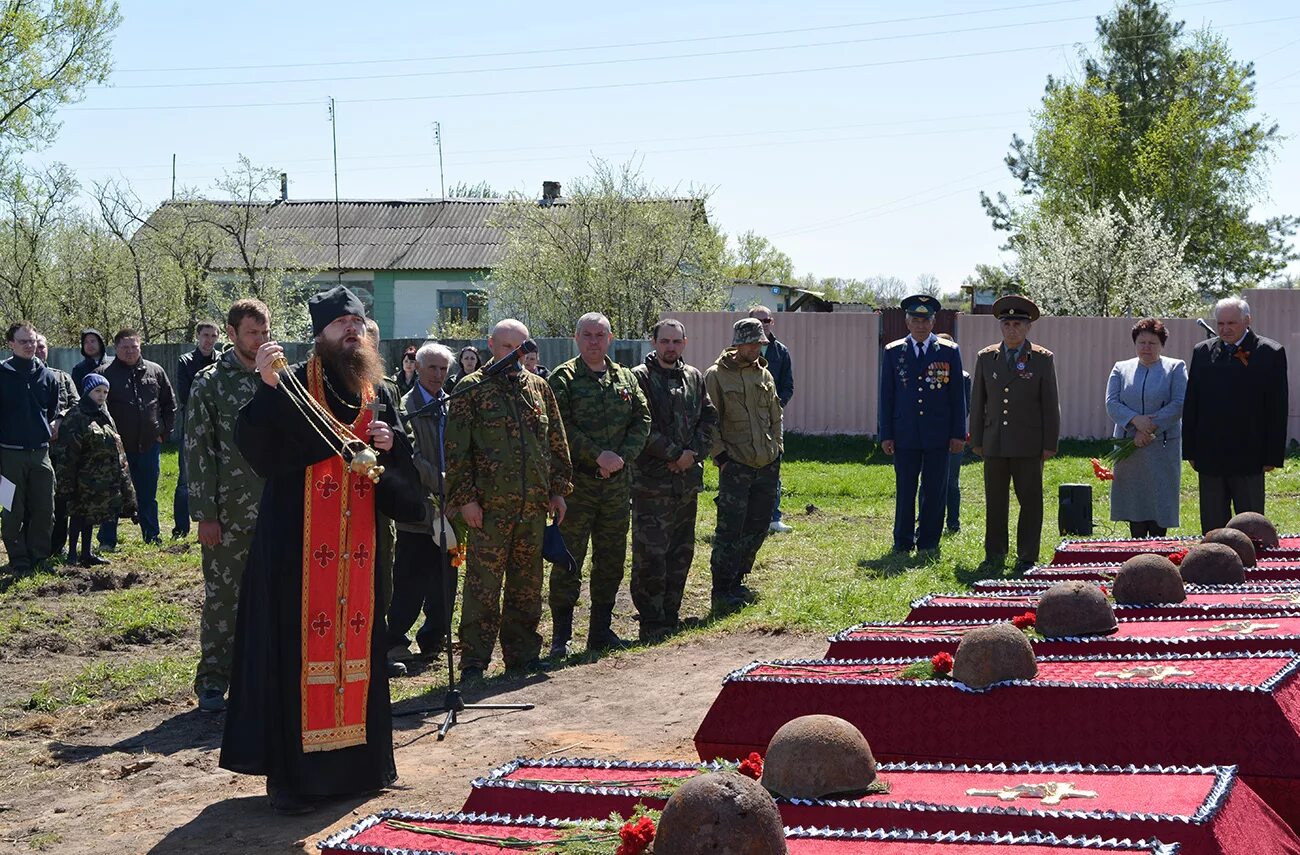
{"x":83,"y":793}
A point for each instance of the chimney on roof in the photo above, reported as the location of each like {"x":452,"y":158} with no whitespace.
{"x":284,"y":187}
{"x":550,"y":192}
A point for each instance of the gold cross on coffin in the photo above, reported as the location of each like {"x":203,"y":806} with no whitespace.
{"x":1236,"y":627}
{"x":923,"y":630}
{"x":1050,"y":792}
{"x":1152,"y":673}
{"x":1276,"y":598}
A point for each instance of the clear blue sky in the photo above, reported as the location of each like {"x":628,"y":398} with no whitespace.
{"x":856,"y":135}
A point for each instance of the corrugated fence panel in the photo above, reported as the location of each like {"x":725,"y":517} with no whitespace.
{"x":1275,"y":314}
{"x":836,"y":360}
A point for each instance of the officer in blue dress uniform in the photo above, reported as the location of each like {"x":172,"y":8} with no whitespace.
{"x":922,"y":421}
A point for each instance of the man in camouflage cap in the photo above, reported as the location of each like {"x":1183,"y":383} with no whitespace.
{"x":507,"y":468}
{"x":224,"y":491}
{"x":607,"y":424}
{"x":748,"y":454}
{"x":668,"y":478}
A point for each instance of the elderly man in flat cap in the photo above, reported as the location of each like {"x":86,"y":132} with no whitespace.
{"x":309,"y":705}
{"x":922,"y":422}
{"x":1015,"y":423}
{"x":747,"y":451}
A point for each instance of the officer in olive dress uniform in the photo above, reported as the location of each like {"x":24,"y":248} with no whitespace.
{"x":922,"y":421}
{"x":1015,"y":422}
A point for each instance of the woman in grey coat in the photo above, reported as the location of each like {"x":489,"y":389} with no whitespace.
{"x":1144,"y":398}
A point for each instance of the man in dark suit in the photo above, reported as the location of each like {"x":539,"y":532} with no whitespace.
{"x":1015,"y":423}
{"x":922,"y":421}
{"x":1234,"y":417}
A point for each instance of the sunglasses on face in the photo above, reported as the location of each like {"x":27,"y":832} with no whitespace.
{"x":765,"y":321}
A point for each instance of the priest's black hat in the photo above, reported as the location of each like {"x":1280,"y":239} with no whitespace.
{"x":326,"y":306}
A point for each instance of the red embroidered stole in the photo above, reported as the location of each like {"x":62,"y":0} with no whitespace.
{"x":338,"y":591}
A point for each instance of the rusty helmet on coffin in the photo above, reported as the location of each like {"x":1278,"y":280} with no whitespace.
{"x":1258,"y":527}
{"x":1149,"y":578}
{"x":1237,"y":539}
{"x":1074,"y":608}
{"x":816,"y":756}
{"x":992,"y":654}
{"x":1212,"y":564}
{"x":720,"y":812}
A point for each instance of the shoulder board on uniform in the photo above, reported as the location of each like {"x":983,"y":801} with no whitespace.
{"x":943,"y":342}
{"x":1039,"y":349}
{"x":896,"y":343}
{"x":992,"y":348}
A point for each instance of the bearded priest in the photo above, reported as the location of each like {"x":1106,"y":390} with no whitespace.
{"x":309,"y":705}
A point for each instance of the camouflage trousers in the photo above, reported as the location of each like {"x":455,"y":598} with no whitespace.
{"x":745,"y":497}
{"x":663,"y":544}
{"x":599,"y":513}
{"x":385,"y":551}
{"x":223,"y":568}
{"x":505,"y":552}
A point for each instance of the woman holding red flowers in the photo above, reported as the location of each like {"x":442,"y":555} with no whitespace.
{"x":1144,"y":398}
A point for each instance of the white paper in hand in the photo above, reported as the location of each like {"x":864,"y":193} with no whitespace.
{"x":442,"y":528}
{"x":7,"y":489}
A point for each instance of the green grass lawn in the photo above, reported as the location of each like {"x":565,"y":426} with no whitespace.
{"x":138,"y":644}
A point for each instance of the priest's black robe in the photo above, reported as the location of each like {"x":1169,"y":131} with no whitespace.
{"x":263,"y":734}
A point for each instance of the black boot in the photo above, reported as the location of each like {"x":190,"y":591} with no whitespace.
{"x":561,"y":632}
{"x":600,"y":636}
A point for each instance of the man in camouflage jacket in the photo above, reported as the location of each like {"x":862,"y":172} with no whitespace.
{"x":607,"y":422}
{"x":667,"y":479}
{"x":507,"y":468}
{"x":69,"y":395}
{"x":224,"y":491}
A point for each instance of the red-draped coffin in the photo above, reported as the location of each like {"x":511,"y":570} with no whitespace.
{"x":1214,"y":708}
{"x":373,"y":835}
{"x":1088,"y":551}
{"x":1266,"y":574}
{"x":1252,"y":633}
{"x":1202,"y":601}
{"x":1037,"y":584}
{"x":1206,"y":809}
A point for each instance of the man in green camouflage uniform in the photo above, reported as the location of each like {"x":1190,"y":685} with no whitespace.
{"x":748,"y":454}
{"x":667,"y":479}
{"x":607,"y":422}
{"x":224,"y":491}
{"x":507,"y":468}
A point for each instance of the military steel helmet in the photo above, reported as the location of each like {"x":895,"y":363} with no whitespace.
{"x":1237,"y":539}
{"x":1074,"y":608}
{"x":921,"y":306}
{"x":747,"y":331}
{"x":1149,"y":578}
{"x":1013,"y":307}
{"x":1260,"y":529}
{"x":817,"y":756}
{"x":1212,"y":564}
{"x":992,"y":654}
{"x":720,"y":812}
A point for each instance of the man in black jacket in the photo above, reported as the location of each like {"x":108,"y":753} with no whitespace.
{"x":29,"y":403}
{"x":1235,"y":414}
{"x":68,"y":398}
{"x":781,"y":367}
{"x":92,"y":349}
{"x":141,"y":403}
{"x":187,"y":368}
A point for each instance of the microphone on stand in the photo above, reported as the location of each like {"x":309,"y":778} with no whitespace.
{"x":511,"y":360}
{"x":1210,"y":332}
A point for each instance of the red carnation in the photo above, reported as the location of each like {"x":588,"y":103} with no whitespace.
{"x":941,"y":662}
{"x":752,"y":766}
{"x":1178,"y":557}
{"x":1105,"y":592}
{"x":1024,"y":621}
{"x":636,"y":836}
{"x":1102,"y":473}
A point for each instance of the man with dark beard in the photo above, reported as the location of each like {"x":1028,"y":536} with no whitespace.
{"x":309,"y":704}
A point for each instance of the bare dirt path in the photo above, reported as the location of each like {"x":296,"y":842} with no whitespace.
{"x":81,"y":794}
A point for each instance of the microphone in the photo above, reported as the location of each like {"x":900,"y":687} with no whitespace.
{"x":1210,"y":332}
{"x":510,"y":362}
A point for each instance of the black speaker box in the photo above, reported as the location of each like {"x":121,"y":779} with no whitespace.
{"x":1075,"y":511}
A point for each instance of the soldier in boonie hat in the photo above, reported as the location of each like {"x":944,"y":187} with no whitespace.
{"x":747,"y":331}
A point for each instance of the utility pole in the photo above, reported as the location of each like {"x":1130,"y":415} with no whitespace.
{"x":437,"y":138}
{"x":173,"y":175}
{"x":338,"y":227}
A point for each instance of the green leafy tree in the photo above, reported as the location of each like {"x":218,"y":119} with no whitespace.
{"x":615,"y":244}
{"x":757,"y":260}
{"x":1163,"y":117}
{"x":33,"y":203}
{"x":50,"y":50}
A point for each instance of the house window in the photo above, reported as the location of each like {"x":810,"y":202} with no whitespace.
{"x":461,"y":306}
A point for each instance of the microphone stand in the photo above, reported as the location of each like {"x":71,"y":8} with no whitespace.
{"x":453,"y":703}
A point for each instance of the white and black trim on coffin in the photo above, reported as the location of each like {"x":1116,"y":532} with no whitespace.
{"x":1267,"y":687}
{"x":1224,"y":778}
{"x":1038,"y":584}
{"x":997,"y":596}
{"x":911,"y":632}
{"x":339,"y":840}
{"x":1190,"y":538}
